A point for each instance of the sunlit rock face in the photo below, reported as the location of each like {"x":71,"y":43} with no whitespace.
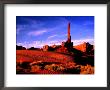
{"x":85,"y":47}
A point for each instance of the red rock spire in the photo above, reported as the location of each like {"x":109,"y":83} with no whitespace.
{"x":68,"y":30}
{"x":69,"y":36}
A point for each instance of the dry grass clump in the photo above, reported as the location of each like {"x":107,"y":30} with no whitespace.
{"x":88,"y":69}
{"x":54,"y":67}
{"x":35,"y":68}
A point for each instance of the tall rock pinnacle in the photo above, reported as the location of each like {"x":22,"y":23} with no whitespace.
{"x":69,"y":36}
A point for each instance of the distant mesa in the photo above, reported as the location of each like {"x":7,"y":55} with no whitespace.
{"x":33,"y":48}
{"x":23,"y":48}
{"x":20,"y":47}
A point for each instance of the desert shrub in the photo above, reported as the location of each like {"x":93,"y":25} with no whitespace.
{"x":54,"y":67}
{"x":35,"y":68}
{"x":88,"y":69}
{"x":57,"y":68}
{"x":70,"y":65}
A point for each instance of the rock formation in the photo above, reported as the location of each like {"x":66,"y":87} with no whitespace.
{"x":85,"y":47}
{"x":68,"y":45}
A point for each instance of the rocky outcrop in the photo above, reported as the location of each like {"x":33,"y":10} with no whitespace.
{"x":84,"y":47}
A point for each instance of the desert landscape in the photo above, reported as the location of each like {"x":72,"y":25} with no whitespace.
{"x":56,"y":59}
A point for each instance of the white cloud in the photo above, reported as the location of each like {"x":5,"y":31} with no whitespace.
{"x":52,"y":36}
{"x":56,"y":35}
{"x":20,"y":28}
{"x":37,"y":33}
{"x":39,"y":44}
{"x":54,"y":42}
{"x":30,"y":25}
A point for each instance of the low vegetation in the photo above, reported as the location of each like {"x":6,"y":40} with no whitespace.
{"x":39,"y":62}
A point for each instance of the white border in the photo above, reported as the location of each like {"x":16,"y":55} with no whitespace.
{"x":96,"y":80}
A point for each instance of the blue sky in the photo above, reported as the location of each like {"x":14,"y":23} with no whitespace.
{"x":38,"y":31}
